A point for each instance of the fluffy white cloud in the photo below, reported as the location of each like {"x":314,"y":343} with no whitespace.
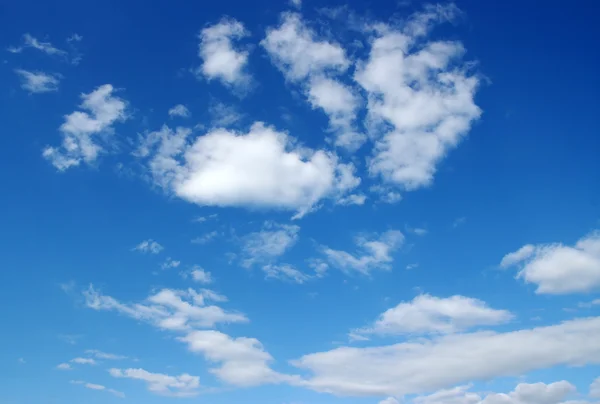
{"x":420,"y":99}
{"x":429,"y":314}
{"x":595,"y":388}
{"x":557,"y":268}
{"x":285,"y":272}
{"x":177,"y":310}
{"x":261,"y":168}
{"x":220,"y":59}
{"x":199,"y":275}
{"x":179,"y":110}
{"x":184,"y":385}
{"x":99,"y":387}
{"x":312,"y":62}
{"x":243,"y":361}
{"x":374,"y":253}
{"x":269,"y":243}
{"x":149,"y":246}
{"x":431,"y":364}
{"x":389,"y":400}
{"x":38,"y":82}
{"x":83,"y":131}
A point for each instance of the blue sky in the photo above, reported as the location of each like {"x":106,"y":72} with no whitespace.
{"x":304,"y":202}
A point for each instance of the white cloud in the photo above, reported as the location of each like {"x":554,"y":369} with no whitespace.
{"x":243,"y":361}
{"x":199,"y":275}
{"x":205,"y":238}
{"x":184,"y":385}
{"x":295,"y":51}
{"x":557,"y":268}
{"x":429,"y":314}
{"x":389,"y":400}
{"x":31,"y":42}
{"x":149,"y":246}
{"x":104,"y":355}
{"x":221,"y":60}
{"x":437,"y":363}
{"x":38,"y":82}
{"x":202,"y":219}
{"x":179,"y":110}
{"x":296,"y":3}
{"x":595,"y":388}
{"x":169,"y":309}
{"x":285,"y":272}
{"x":374,"y":253}
{"x":262,"y":168}
{"x":420,"y":100}
{"x":84,"y":361}
{"x":98,"y":387}
{"x":64,"y":366}
{"x":269,"y":243}
{"x":303,"y":58}
{"x":75,"y":38}
{"x":83,"y":131}
{"x":352,"y":199}
{"x":170,"y":263}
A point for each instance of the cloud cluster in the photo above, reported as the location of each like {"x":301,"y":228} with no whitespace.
{"x":374,"y":253}
{"x":84,"y":131}
{"x":557,"y":268}
{"x":427,"y":314}
{"x":221,"y":60}
{"x":432,"y":364}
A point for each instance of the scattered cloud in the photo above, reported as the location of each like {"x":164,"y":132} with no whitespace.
{"x":313,"y":63}
{"x":389,"y":400}
{"x":448,"y":360}
{"x":170,"y":263}
{"x":285,"y":272}
{"x":38,"y":82}
{"x":223,"y":115}
{"x":427,"y":314}
{"x":557,"y":268}
{"x":374,"y":253}
{"x":243,"y":361}
{"x":524,"y":393}
{"x":83,"y":131}
{"x":30,"y":41}
{"x":179,"y":110}
{"x":103,"y":355}
{"x":69,"y":338}
{"x":595,"y":388}
{"x":184,"y":385}
{"x":84,"y":361}
{"x":75,"y":38}
{"x":169,"y":309}
{"x":221,"y":59}
{"x":64,"y":366}
{"x":296,"y":3}
{"x":459,"y":222}
{"x":205,"y":238}
{"x":149,"y":246}
{"x":99,"y":387}
{"x":199,"y":275}
{"x":21,"y":361}
{"x":269,"y":243}
{"x":202,"y":219}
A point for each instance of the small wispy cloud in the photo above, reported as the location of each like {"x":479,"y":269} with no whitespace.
{"x":149,"y":246}
{"x":38,"y":82}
